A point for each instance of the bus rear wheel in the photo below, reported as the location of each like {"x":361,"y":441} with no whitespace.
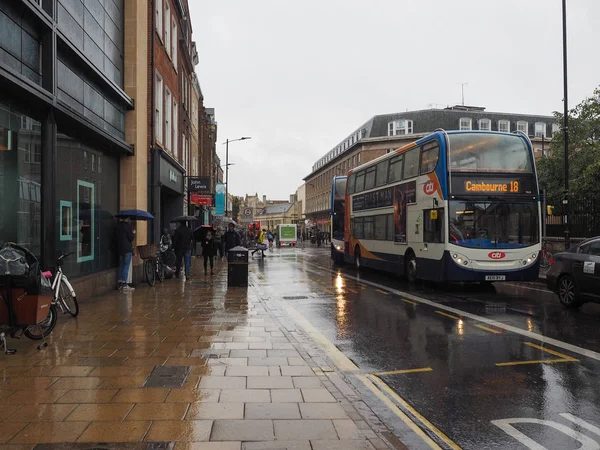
{"x":410,"y":266}
{"x":357,"y":258}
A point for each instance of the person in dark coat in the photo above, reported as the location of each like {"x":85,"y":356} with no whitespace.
{"x":209,"y":249}
{"x":125,"y":237}
{"x":182,"y":244}
{"x":231,"y":238}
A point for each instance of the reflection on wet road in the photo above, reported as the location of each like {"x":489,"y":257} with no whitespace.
{"x":472,"y":367}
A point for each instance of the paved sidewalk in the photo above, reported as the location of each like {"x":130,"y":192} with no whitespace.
{"x":189,"y":365}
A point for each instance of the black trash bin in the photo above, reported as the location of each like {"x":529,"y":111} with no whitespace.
{"x":237,"y":267}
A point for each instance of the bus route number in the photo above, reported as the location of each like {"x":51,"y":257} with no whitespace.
{"x":482,"y":186}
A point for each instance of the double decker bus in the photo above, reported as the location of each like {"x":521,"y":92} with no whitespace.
{"x":337,"y":217}
{"x":452,"y":206}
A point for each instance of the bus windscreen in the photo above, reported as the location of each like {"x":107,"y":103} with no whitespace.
{"x":338,"y":207}
{"x":489,"y":152}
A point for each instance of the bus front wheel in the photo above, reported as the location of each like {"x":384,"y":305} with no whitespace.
{"x":357,"y":258}
{"x":410,"y":266}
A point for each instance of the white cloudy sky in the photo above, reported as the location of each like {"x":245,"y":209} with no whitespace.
{"x":299,"y":76}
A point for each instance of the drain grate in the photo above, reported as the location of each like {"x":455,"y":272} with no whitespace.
{"x":168,"y":376}
{"x":296,"y":297}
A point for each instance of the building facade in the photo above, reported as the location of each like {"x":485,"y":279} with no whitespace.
{"x":63,"y":136}
{"x":383,"y":133}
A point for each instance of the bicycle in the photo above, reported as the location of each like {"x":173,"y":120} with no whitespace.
{"x":153,"y":263}
{"x":546,"y":259}
{"x":63,"y":293}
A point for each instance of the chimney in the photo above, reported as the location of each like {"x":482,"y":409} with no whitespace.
{"x":265,"y":199}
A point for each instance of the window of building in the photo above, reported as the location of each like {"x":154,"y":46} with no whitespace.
{"x":523,"y":127}
{"x":168,"y":28}
{"x":540,"y":129}
{"x":485,"y":124}
{"x":504,"y":126}
{"x":158,"y":115}
{"x":358,"y":158}
{"x":168,"y":122}
{"x":175,"y":45}
{"x":400,"y":127}
{"x":159,"y":18}
{"x":465,"y":123}
{"x":175,"y":130}
{"x":555,"y":128}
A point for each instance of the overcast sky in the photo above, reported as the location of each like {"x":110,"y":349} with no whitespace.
{"x":299,"y":76}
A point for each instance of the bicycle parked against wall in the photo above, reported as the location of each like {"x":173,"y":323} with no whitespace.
{"x":64,"y":294}
{"x":154,"y":266}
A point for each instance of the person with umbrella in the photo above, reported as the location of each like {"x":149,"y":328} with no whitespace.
{"x":125,"y":237}
{"x":182,"y":244}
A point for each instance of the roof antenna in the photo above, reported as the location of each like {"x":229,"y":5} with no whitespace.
{"x":462,"y":86}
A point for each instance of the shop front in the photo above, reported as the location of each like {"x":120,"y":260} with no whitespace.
{"x":170,"y":195}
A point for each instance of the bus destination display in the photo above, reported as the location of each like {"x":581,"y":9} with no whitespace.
{"x":506,"y":186}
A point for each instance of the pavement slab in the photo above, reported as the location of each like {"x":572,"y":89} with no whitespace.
{"x":180,"y":366}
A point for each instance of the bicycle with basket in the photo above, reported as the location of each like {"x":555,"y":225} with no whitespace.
{"x":154,"y":266}
{"x":26,"y":306}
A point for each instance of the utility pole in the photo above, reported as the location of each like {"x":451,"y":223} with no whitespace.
{"x":566,"y":128}
{"x":462,"y":88}
{"x":226,"y":174}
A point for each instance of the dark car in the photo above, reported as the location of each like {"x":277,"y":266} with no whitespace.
{"x":575,"y":274}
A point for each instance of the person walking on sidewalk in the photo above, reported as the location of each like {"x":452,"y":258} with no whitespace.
{"x":219,"y":242}
{"x":232,"y":238}
{"x":125,"y":237}
{"x":209,"y":249}
{"x":182,"y":243}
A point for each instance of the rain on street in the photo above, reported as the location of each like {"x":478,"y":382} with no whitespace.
{"x":459,"y":366}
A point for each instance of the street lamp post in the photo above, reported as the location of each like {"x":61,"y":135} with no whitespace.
{"x":227,"y":168}
{"x":566,"y":127}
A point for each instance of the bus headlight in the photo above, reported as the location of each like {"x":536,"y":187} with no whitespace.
{"x":460,"y":259}
{"x":338,"y":248}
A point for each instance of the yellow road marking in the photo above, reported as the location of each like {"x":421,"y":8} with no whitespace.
{"x":329,"y":291}
{"x":563,"y":358}
{"x":346,"y":365}
{"x":408,"y":301}
{"x":388,"y":390}
{"x":352,"y":290}
{"x":399,"y":372}
{"x":382,"y":292}
{"x":552,"y":352}
{"x":491,"y":330}
{"x":442,"y":313}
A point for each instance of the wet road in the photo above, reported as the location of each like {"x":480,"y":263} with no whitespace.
{"x":470,"y":367}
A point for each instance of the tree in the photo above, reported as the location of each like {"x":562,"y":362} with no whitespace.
{"x":235,"y":207}
{"x":584,"y":153}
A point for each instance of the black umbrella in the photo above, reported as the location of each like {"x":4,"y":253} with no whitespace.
{"x":135,"y":214}
{"x":184,"y":219}
{"x":201,"y":231}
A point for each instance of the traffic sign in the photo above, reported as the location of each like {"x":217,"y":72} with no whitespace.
{"x":248,"y":212}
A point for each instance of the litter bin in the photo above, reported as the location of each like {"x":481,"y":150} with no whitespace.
{"x":237,"y":267}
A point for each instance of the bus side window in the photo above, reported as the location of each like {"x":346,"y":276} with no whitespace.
{"x":360,"y":182}
{"x":411,"y":163}
{"x":433,"y":226}
{"x":390,"y":228}
{"x":382,"y":173}
{"x":429,"y":158}
{"x":395,"y":172}
{"x":351,"y":182}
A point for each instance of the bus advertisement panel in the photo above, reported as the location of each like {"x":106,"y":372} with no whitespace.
{"x":456,"y":206}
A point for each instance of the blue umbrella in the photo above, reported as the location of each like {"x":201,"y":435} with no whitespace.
{"x":135,"y":214}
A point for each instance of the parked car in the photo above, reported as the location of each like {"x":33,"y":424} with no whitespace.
{"x":575,"y":274}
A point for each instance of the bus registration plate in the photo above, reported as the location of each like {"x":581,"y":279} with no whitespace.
{"x":495,"y":277}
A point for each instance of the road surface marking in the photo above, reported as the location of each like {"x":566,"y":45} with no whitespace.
{"x":530,"y":334}
{"x":408,"y":301}
{"x":388,"y":390}
{"x":399,"y":372}
{"x":491,"y":330}
{"x":448,"y":315}
{"x":352,"y":290}
{"x":552,"y":352}
{"x":563,"y":358}
{"x":346,"y":365}
{"x":530,"y":288}
{"x":382,"y":292}
{"x":329,"y":291}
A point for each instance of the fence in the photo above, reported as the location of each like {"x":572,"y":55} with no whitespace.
{"x":584,"y":217}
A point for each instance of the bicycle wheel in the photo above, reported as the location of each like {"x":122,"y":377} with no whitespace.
{"x":44,"y":328}
{"x":169,"y":258}
{"x":150,"y":271}
{"x":68,"y":300}
{"x":160,"y":270}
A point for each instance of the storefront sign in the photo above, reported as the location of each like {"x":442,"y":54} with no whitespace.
{"x":199,"y":184}
{"x":171,"y":176}
{"x":201,"y":200}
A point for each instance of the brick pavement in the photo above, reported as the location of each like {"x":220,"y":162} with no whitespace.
{"x":251,"y":380}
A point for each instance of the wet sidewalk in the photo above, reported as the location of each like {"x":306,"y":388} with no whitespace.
{"x":184,"y":365}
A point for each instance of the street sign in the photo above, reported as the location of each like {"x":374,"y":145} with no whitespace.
{"x":247,"y":215}
{"x":248,"y":212}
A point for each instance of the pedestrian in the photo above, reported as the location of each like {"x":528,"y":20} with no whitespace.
{"x":219,"y":242}
{"x":125,"y":237}
{"x":231,"y":238}
{"x":270,"y":239}
{"x":209,"y":249}
{"x":182,"y":243}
